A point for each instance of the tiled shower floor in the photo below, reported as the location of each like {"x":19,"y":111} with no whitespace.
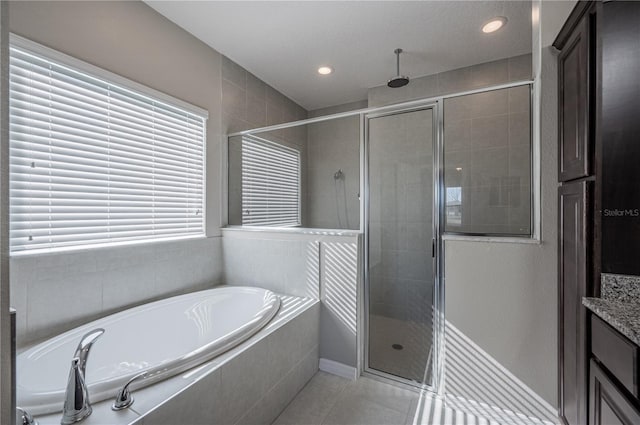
{"x":332,"y":400}
{"x":412,"y":360}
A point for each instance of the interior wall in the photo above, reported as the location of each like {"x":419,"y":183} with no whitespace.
{"x":132,"y":40}
{"x":517,"y":68}
{"x":7,"y":395}
{"x":501,"y":296}
{"x":311,"y":265}
{"x":248,"y":102}
{"x":334,"y":203}
{"x":512,"y":287}
{"x":487,"y":158}
{"x":55,"y":292}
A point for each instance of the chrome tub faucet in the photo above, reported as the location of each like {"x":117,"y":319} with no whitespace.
{"x":76,"y":404}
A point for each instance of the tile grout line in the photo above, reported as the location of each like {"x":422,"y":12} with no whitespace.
{"x":281,"y":380}
{"x":299,"y":364}
{"x":335,"y":401}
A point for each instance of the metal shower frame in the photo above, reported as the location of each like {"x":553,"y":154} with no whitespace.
{"x":436,"y":103}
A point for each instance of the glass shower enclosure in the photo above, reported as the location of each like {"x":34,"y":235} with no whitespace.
{"x":310,"y":174}
{"x":401,"y":244}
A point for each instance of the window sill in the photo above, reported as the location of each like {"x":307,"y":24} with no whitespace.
{"x":292,"y":230}
{"x":112,"y":245}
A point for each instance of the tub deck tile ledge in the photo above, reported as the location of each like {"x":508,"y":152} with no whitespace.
{"x":158,"y":400}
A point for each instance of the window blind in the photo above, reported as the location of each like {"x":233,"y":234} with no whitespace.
{"x":93,"y":162}
{"x":270,"y":183}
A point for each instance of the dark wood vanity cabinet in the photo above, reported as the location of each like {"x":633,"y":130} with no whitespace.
{"x":613,"y":377}
{"x":574,"y":200}
{"x":577,"y":251}
{"x":599,"y":202}
{"x":574,"y":153}
{"x":609,"y":405}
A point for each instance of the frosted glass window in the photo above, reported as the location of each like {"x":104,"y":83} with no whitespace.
{"x":94,"y":162}
{"x":270,"y":183}
{"x":487,"y":161}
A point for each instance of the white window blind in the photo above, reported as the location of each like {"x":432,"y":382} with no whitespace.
{"x":93,"y":162}
{"x":270,"y":183}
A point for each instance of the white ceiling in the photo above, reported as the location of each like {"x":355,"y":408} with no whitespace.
{"x":283,"y":43}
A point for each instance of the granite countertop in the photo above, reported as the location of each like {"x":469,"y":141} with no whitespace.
{"x":622,"y":315}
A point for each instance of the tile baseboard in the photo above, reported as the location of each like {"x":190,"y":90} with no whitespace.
{"x":338,"y":369}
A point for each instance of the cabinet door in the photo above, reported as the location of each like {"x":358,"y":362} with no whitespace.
{"x":609,"y":404}
{"x":620,"y":137}
{"x":573,"y":106}
{"x":572,"y":286}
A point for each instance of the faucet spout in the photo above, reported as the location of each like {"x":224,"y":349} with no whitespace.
{"x":76,"y":404}
{"x":84,"y":347}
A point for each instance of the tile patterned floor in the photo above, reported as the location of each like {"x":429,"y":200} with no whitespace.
{"x":331,"y":400}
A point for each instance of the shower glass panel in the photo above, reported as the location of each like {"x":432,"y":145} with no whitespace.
{"x":487,"y":162}
{"x":301,"y":176}
{"x":400,"y":235}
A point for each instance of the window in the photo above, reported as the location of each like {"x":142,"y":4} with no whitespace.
{"x":94,"y":161}
{"x":488,"y":163}
{"x":270,"y":183}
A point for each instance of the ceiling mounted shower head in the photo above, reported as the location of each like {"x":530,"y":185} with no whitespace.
{"x":398,"y":80}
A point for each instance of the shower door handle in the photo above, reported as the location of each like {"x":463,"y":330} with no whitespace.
{"x":433,"y":248}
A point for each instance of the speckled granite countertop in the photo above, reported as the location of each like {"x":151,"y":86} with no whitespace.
{"x":622,"y":316}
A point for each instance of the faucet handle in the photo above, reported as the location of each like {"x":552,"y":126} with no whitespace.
{"x":124,"y":399}
{"x":25,"y":418}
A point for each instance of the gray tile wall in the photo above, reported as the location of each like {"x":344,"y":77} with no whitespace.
{"x":248,"y":102}
{"x":517,"y":68}
{"x":312,"y":266}
{"x":284,"y":266}
{"x":56,"y":292}
{"x":487,"y":142}
{"x":334,"y":145}
{"x":401,"y":197}
{"x":253,"y":387}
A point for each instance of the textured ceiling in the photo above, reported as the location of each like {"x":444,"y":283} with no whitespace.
{"x":283,"y":43}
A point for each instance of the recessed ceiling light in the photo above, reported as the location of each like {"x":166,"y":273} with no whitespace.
{"x":325,"y":70}
{"x":458,"y":168}
{"x":494,"y":24}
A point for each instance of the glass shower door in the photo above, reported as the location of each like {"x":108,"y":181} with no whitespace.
{"x":400,"y":245}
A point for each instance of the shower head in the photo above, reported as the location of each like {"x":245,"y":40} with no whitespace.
{"x":398,"y":80}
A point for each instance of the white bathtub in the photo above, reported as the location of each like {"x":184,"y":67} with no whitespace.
{"x":163,"y":338}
